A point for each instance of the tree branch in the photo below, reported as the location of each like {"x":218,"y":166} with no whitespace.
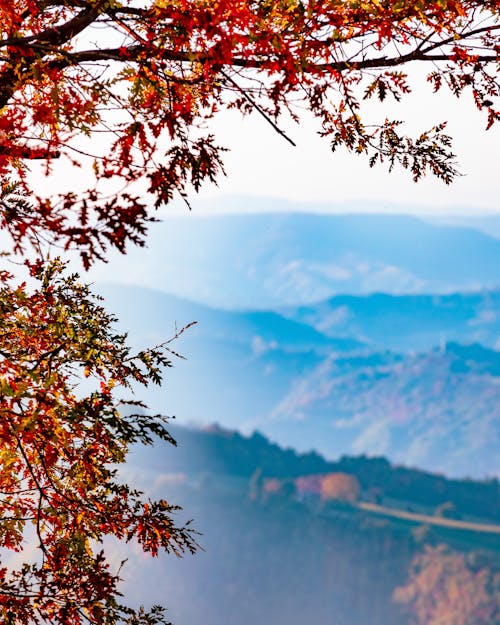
{"x":138,"y":53}
{"x":254,"y":105}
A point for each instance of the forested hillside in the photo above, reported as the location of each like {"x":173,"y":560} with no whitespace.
{"x":218,"y":451}
{"x":284,"y":557}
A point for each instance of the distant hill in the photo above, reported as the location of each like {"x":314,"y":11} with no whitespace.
{"x":262,"y":261}
{"x":159,"y":314}
{"x":436,"y":408}
{"x":407,"y":322}
{"x":238,"y":364}
{"x":487,"y":223}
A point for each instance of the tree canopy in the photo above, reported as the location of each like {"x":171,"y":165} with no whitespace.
{"x":130,"y":87}
{"x":66,"y":425}
{"x":446,"y":587}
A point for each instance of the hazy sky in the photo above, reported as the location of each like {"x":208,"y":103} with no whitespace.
{"x":261,"y":164}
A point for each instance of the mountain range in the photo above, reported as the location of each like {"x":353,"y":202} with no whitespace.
{"x":357,"y":341}
{"x":433,"y":407}
{"x":264,"y":261}
{"x":341,"y":333}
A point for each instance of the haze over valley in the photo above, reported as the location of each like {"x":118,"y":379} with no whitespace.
{"x":412,"y":373}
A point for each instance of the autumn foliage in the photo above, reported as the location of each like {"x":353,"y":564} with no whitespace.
{"x":450,"y":588}
{"x":128,"y":89}
{"x":64,"y":432}
{"x":340,"y":487}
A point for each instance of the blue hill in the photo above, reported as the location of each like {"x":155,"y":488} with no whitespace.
{"x":268,"y":260}
{"x":407,"y":322}
{"x":436,"y":408}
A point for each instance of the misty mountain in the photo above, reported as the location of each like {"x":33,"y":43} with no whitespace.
{"x":237,"y":365}
{"x":436,"y":408}
{"x":401,"y":374}
{"x":161,"y":315}
{"x":407,"y":322}
{"x":264,"y":261}
{"x":488,"y":223}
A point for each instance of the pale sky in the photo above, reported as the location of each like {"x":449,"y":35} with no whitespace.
{"x":261,"y":164}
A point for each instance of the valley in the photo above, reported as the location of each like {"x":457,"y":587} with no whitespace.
{"x":336,"y":410}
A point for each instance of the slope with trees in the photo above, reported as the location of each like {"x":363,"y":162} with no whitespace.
{"x":452,"y":588}
{"x":219,"y":451}
{"x":275,"y":555}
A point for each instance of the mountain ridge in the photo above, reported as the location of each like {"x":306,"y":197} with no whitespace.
{"x":313,"y":391}
{"x":426,"y":320}
{"x":262,"y":261}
